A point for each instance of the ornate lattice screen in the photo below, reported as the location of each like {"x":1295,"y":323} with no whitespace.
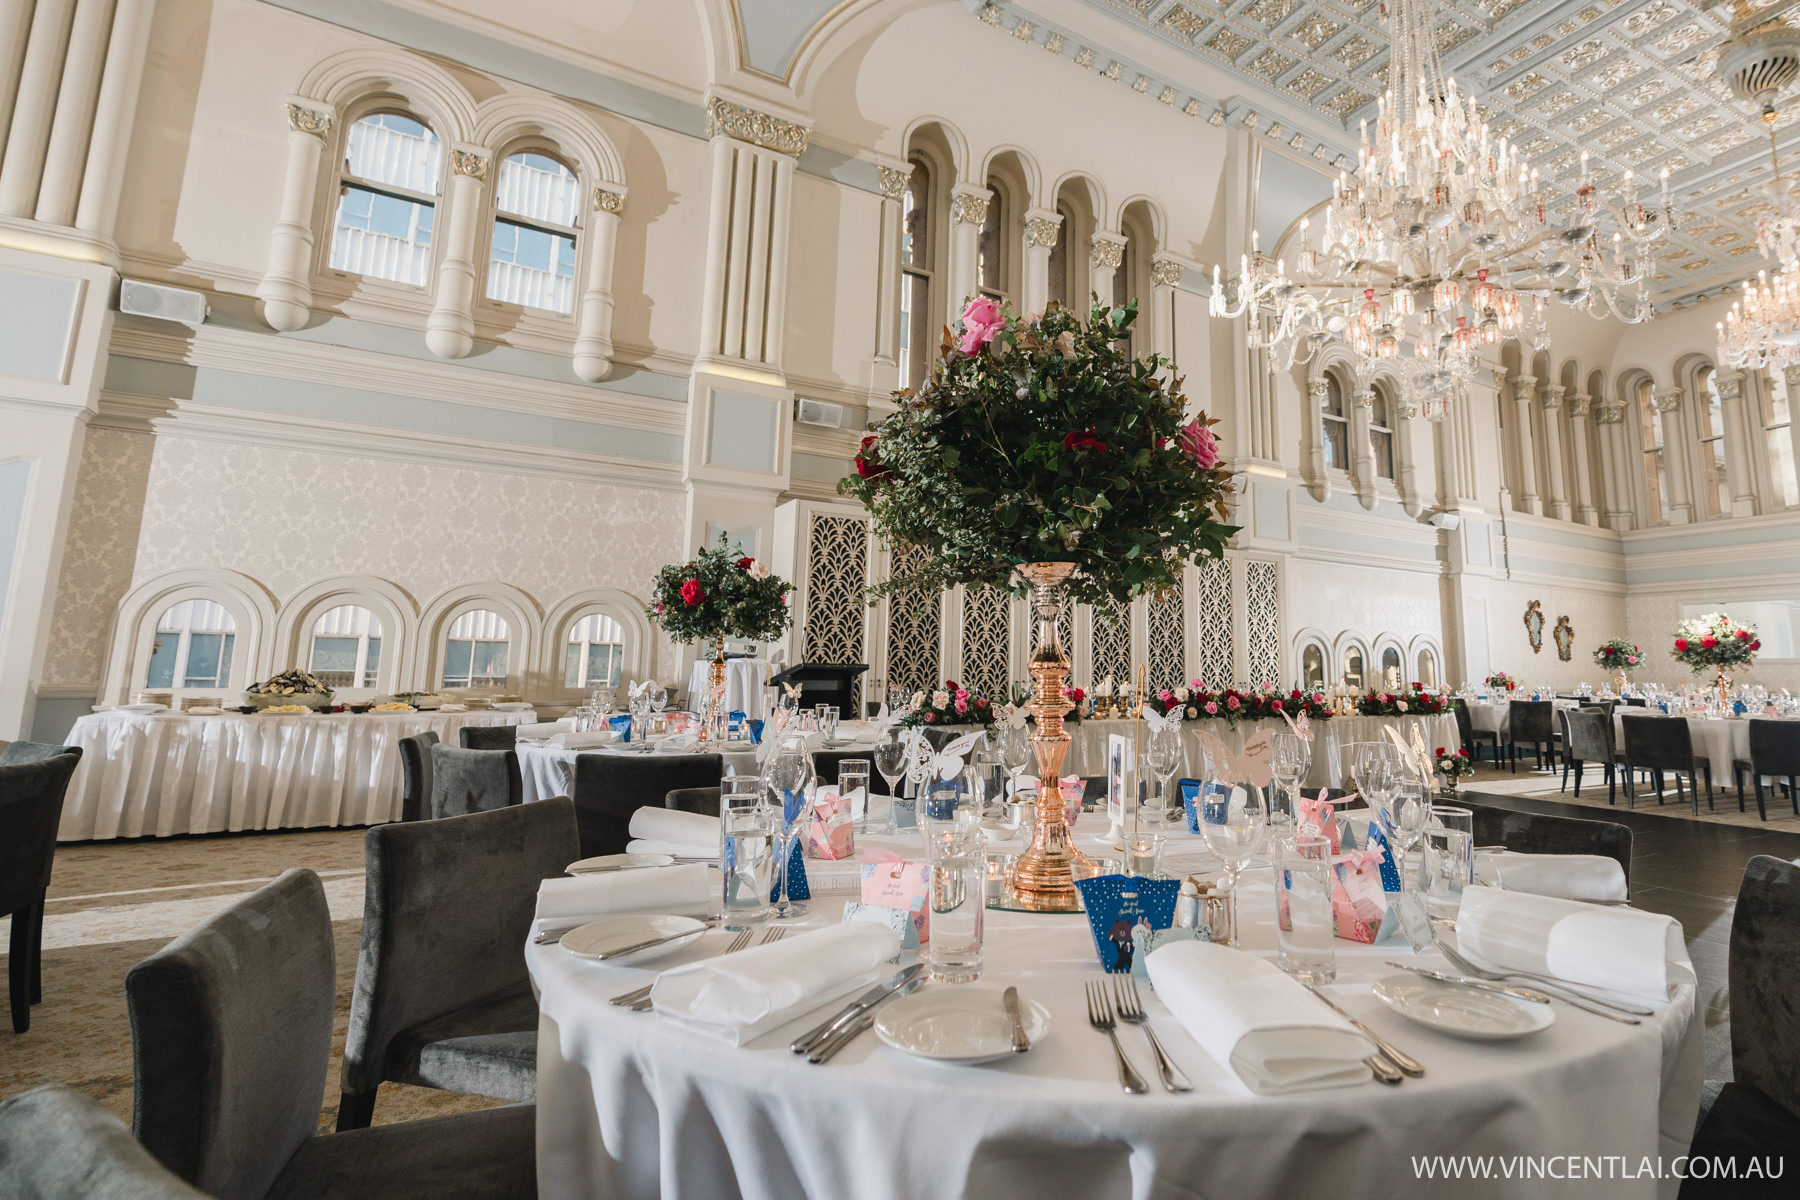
{"x":1167,"y":658}
{"x":986,"y":640}
{"x":837,"y":571}
{"x":915,"y":628}
{"x":1111,"y":643}
{"x":1213,"y":612}
{"x":1262,"y":607}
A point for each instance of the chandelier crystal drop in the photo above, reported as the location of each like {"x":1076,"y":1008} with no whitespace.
{"x":1442,"y":244}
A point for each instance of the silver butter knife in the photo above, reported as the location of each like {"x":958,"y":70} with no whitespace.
{"x":809,"y":1040}
{"x":1020,"y":1043}
{"x":711,"y":923}
{"x":1479,"y":984}
{"x":857,"y":1027}
{"x":1406,"y":1062}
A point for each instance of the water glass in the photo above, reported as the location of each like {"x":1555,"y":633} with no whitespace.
{"x":985,"y":777}
{"x":1303,"y":920}
{"x":640,"y":728}
{"x":1447,"y":864}
{"x":1143,"y":855}
{"x":828,"y":721}
{"x":1403,"y":809}
{"x":955,"y":850}
{"x":1234,"y":823}
{"x":1289,"y":756}
{"x":747,"y":835}
{"x":853,"y":781}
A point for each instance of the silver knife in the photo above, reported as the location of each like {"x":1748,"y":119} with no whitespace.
{"x":849,"y":1033}
{"x":875,"y":995}
{"x":1480,"y":984}
{"x":1020,"y":1043}
{"x":711,"y":923}
{"x":1406,"y":1062}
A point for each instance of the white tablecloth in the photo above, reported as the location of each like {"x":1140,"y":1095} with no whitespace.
{"x":167,"y":773}
{"x":746,"y":685}
{"x":549,"y":771}
{"x":630,"y":1106}
{"x":1720,"y":740}
{"x":1494,"y":716}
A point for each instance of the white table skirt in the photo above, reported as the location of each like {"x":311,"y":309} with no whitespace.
{"x":167,"y":773}
{"x":1720,"y":740}
{"x":746,"y":685}
{"x":548,"y":771}
{"x":630,"y":1106}
{"x":1494,"y":716}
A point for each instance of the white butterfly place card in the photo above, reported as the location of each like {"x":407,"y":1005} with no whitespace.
{"x":1161,"y":722}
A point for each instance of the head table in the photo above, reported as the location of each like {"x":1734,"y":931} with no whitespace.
{"x":160,"y":774}
{"x":631,"y":1106}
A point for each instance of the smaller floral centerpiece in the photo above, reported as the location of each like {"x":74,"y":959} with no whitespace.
{"x":1452,"y":767}
{"x":1617,"y":654}
{"x":1715,"y":642}
{"x":287,"y":689}
{"x":951,"y":704}
{"x":1500,"y":681}
{"x":718,"y":594}
{"x":1414,"y":703}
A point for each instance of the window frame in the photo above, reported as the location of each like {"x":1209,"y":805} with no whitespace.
{"x":1383,"y":438}
{"x":574,"y":623}
{"x":1784,"y":485}
{"x":363,"y":674}
{"x":339,"y":177}
{"x":493,"y":216}
{"x":440,"y":675}
{"x":1653,"y":460}
{"x":179,"y":685}
{"x":1714,"y":457}
{"x":917,"y":262}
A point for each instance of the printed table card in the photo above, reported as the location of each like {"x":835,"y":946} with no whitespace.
{"x":903,"y":886}
{"x":1117,"y":905}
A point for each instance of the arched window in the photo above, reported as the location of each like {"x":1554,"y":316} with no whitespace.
{"x":595,"y":652}
{"x":1335,"y":420}
{"x":991,"y":248}
{"x":1654,"y":467}
{"x":346,"y":647}
{"x":1353,"y":666}
{"x":194,"y":642}
{"x":1778,"y":437}
{"x":531,"y":259}
{"x":916,"y":234}
{"x":1715,"y":482}
{"x":1312,"y":666}
{"x":1390,"y":668}
{"x":387,"y":196}
{"x":1381,"y":432}
{"x":1428,"y":675}
{"x":476,"y":650}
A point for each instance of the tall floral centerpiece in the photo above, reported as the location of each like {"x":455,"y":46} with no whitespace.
{"x":1714,"y":642}
{"x":715,"y":595}
{"x":1619,"y":657}
{"x":1041,"y":455}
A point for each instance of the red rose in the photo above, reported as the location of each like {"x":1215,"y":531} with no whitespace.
{"x":865,"y":463}
{"x":930,"y":717}
{"x":1276,"y":705}
{"x":744,"y":564}
{"x":1680,"y":644}
{"x":1462,"y":753}
{"x":981,"y":702}
{"x":1085,"y":440}
{"x":1709,"y":641}
{"x":1440,"y":752}
{"x":1743,"y":635}
{"x":691,"y":593}
{"x":1756,"y":645}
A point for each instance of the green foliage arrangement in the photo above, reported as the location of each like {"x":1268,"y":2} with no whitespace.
{"x":719,"y":594}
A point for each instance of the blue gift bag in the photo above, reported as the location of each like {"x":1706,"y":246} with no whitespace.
{"x":622,"y":725}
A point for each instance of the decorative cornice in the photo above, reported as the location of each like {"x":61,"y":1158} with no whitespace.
{"x":1042,"y":231}
{"x":315,"y":121}
{"x":1552,"y":395}
{"x":893,"y":183}
{"x":472,"y":163}
{"x":1106,"y":250}
{"x":1668,"y":402}
{"x":609,"y":202}
{"x":757,"y":128}
{"x":968,"y":205}
{"x":1165,"y":272}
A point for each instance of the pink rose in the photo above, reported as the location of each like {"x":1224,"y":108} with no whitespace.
{"x":1318,"y":697}
{"x":1200,"y":444}
{"x":1166,"y":696}
{"x":1232,"y":702}
{"x":1276,"y":705}
{"x":981,"y":320}
{"x":1212,"y":708}
{"x":962,"y":704}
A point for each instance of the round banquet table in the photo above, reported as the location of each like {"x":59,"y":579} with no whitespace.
{"x":550,"y":770}
{"x":629,"y":1106}
{"x":1495,"y":716}
{"x":746,"y":685}
{"x":1720,"y":740}
{"x":162,"y":774}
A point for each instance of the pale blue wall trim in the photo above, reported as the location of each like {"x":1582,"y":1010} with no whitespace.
{"x":1559,"y":568}
{"x":1594,"y":543}
{"x":426,"y":34}
{"x":1787,"y":564}
{"x":1362,"y":543}
{"x":820,"y":468}
{"x":1345,"y":501}
{"x":381,"y":410}
{"x":1711,"y":535}
{"x":15,"y":486}
{"x":53,"y":717}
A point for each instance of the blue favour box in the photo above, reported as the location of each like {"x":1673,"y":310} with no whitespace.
{"x":1116,"y":905}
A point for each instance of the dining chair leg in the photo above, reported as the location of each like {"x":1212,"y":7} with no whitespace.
{"x":1612,"y":784}
{"x":1577,"y":765}
{"x":1794,"y":795}
{"x":37,"y":950}
{"x":1737,"y":780}
{"x":356,"y":1109}
{"x":18,"y":970}
{"x":1756,"y":782}
{"x":1630,"y":787}
{"x":1706,"y":769}
{"x":1565,"y":780}
{"x":1693,"y":790}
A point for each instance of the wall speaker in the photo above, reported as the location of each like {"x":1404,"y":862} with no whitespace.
{"x":1446,"y":520}
{"x":140,"y":299}
{"x":818,"y":412}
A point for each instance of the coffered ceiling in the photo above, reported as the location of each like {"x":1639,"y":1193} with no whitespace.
{"x":1629,"y":81}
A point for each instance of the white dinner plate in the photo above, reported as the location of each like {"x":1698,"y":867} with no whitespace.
{"x":511,"y":706}
{"x":617,"y":862}
{"x":1463,"y":1012}
{"x":613,"y":933}
{"x":965,"y":1024}
{"x":141,"y":708}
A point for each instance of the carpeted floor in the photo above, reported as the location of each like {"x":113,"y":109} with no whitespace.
{"x":1545,"y":786}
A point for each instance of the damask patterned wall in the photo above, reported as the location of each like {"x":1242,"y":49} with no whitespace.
{"x":837,"y":571}
{"x":1212,"y":611}
{"x":987,"y":640}
{"x":914,"y":630}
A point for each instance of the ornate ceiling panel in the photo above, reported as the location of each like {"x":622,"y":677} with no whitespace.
{"x":1629,"y":81}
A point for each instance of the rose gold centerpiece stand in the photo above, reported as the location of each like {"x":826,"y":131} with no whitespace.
{"x":1043,"y":879}
{"x":715,"y":695}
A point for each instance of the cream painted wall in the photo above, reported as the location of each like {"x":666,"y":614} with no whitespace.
{"x":1594,"y":616}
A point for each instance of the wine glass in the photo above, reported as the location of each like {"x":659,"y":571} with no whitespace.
{"x":1015,"y":751}
{"x":1403,"y":807}
{"x":785,"y":779}
{"x":1164,"y":760}
{"x":1234,"y":824}
{"x":890,"y":762}
{"x":1289,"y":757}
{"x":1365,"y":757}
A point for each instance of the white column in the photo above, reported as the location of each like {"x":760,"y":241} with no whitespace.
{"x":1677,"y":444}
{"x":102,"y":177}
{"x":1529,"y":501}
{"x":22,"y":168}
{"x":1792,"y":377}
{"x":286,"y":287}
{"x":745,"y":300}
{"x":1553,"y":452}
{"x":1362,"y":451}
{"x":1616,"y":454}
{"x":1318,"y":478}
{"x":1584,"y":475}
{"x":1042,"y":227}
{"x":1106,"y":253}
{"x":968,"y":209}
{"x":1740,"y":473}
{"x":15,"y":30}
{"x":593,"y":327}
{"x":886,"y":373}
{"x":1165,"y":274}
{"x":450,"y":329}
{"x":66,"y":153}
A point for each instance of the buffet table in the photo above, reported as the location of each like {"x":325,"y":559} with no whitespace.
{"x":169,"y":773}
{"x":630,"y":1105}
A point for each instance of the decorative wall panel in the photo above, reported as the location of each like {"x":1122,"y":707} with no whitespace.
{"x":1167,"y":658}
{"x":915,"y":627}
{"x":101,"y":551}
{"x":837,"y":571}
{"x":986,"y":640}
{"x":1111,"y":643}
{"x":1262,"y":605}
{"x":1213,"y":612}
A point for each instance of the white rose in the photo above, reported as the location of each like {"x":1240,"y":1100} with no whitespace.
{"x":939,"y":699}
{"x":1181,"y":695}
{"x":758,"y":571}
{"x":1400,"y":704}
{"x":918,"y":699}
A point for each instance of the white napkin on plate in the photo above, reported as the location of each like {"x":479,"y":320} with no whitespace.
{"x":671,"y":831}
{"x":683,"y":890}
{"x":1269,"y":1030}
{"x":739,"y":997}
{"x":1571,"y":876}
{"x":538,"y":730}
{"x":1610,"y":953}
{"x":676,"y":741}
{"x":582,"y":741}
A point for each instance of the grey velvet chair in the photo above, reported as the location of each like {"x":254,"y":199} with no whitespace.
{"x":1657,"y":744}
{"x":415,"y":775}
{"x":57,"y":1144}
{"x":31,"y":800}
{"x":702,"y":800}
{"x":610,"y":787}
{"x":231,"y":1039}
{"x":1758,"y":1113}
{"x":1529,"y":722}
{"x":1537,"y":833}
{"x":1588,"y":737}
{"x":25,"y":752}
{"x":1471,"y":736}
{"x":488,"y":737}
{"x":442,"y":999}
{"x":1774,"y":751}
{"x":468,"y":781}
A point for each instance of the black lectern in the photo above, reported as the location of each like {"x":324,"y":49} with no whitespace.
{"x":825,"y":683}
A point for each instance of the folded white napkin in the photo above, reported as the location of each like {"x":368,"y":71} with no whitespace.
{"x":537,"y":730}
{"x":741,"y":996}
{"x":582,"y":741}
{"x":676,"y":741}
{"x":1571,"y":876}
{"x":671,"y":831}
{"x":1611,"y":953}
{"x":1249,"y":1016}
{"x":684,"y":890}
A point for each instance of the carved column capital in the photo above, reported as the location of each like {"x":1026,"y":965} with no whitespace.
{"x":1106,"y":250}
{"x":1165,"y":272}
{"x":471,"y":162}
{"x":1042,"y":228}
{"x":1730,"y":385}
{"x":1579,"y":403}
{"x":309,"y":118}
{"x":969,"y":204}
{"x":1365,"y":399}
{"x":1552,"y":395}
{"x":1318,"y":388}
{"x":723,"y":118}
{"x":1524,"y":386}
{"x":609,"y":201}
{"x":1668,"y":402}
{"x":1611,"y":413}
{"x":893,"y":182}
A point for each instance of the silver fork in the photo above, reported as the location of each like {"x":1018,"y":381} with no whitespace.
{"x":1624,"y":1014}
{"x":642,"y":1003}
{"x":1100,"y":1016}
{"x":1131,"y":1011}
{"x":732,"y":947}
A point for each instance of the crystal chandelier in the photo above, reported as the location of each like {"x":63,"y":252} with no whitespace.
{"x":1442,"y":244}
